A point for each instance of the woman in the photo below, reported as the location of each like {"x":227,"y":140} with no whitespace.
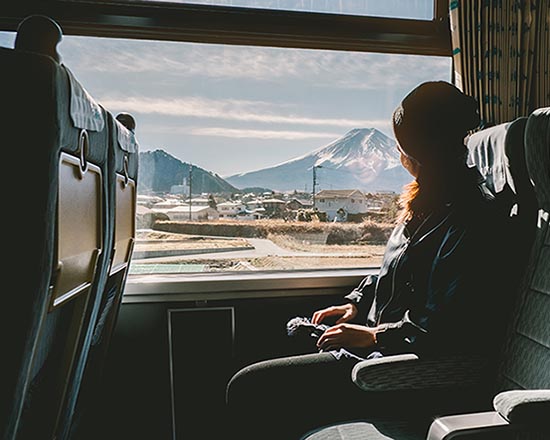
{"x":434,"y":292}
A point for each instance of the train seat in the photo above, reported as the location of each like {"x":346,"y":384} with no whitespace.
{"x":517,"y":387}
{"x":122,"y":176}
{"x":61,"y":234}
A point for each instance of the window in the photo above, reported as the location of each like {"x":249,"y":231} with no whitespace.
{"x":244,"y":127}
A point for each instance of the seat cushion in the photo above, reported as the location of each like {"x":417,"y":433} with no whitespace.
{"x":371,"y":430}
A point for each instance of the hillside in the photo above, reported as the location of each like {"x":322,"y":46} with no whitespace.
{"x":159,"y":171}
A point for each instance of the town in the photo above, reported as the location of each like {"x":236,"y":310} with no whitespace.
{"x":325,"y":206}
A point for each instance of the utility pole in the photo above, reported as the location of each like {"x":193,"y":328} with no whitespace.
{"x":314,"y":183}
{"x":190,"y":180}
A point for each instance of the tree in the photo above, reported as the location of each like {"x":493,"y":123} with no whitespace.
{"x":212,"y":202}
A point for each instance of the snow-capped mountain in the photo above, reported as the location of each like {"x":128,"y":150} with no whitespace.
{"x":364,"y":158}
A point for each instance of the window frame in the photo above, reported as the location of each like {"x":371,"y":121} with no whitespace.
{"x":153,"y":288}
{"x":241,"y":26}
{"x":149,"y":20}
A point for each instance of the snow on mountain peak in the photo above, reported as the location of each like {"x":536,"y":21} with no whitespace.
{"x":360,"y":159}
{"x":360,"y":145}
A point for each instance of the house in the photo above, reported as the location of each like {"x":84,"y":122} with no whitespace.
{"x":296,"y":204}
{"x":167,"y":204}
{"x":274,"y":207}
{"x":230,"y":209}
{"x":254,"y":204}
{"x":147,"y":200}
{"x":199,"y":201}
{"x":193,"y":213}
{"x":352,"y":201}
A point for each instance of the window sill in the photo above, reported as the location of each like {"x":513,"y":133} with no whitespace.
{"x":224,"y":286}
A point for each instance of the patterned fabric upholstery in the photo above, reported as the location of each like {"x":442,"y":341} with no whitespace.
{"x":406,"y":373}
{"x":526,"y":361}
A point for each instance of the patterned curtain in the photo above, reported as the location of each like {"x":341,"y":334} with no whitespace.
{"x":501,"y":55}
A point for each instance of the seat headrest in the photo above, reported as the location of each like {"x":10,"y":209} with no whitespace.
{"x":537,"y":154}
{"x":498,"y":153}
{"x":40,"y":34}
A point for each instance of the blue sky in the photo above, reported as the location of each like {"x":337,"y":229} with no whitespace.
{"x":233,"y":109}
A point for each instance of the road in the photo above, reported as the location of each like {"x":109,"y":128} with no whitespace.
{"x":262,"y":248}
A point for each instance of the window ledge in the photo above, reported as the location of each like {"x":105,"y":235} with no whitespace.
{"x":219,"y":286}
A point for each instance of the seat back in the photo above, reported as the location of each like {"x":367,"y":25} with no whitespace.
{"x":122,"y":175}
{"x":525,"y":363}
{"x":499,"y":154}
{"x":60,"y":248}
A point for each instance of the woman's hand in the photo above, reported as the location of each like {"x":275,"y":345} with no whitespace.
{"x":347,"y":335}
{"x":346,"y":312}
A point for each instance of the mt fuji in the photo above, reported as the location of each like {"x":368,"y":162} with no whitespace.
{"x":364,"y":159}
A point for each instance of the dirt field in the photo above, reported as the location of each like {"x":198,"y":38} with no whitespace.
{"x":363,"y":250}
{"x":157,"y":240}
{"x":326,"y":255}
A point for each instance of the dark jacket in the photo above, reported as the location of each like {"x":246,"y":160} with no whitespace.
{"x":437,"y":289}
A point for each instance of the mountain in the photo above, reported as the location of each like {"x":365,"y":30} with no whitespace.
{"x":364,"y":158}
{"x":159,"y":171}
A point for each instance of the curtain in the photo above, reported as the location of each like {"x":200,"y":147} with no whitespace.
{"x":501,"y":55}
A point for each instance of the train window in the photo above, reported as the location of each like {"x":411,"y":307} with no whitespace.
{"x":409,"y":9}
{"x":256,"y":158}
{"x":7,"y":39}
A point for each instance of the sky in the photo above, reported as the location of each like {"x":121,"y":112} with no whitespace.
{"x":232,"y":109}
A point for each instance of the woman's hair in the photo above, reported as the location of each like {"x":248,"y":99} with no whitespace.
{"x":406,"y":199}
{"x":430,"y":125}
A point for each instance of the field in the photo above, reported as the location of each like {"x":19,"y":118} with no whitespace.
{"x":336,"y":233}
{"x":259,"y":245}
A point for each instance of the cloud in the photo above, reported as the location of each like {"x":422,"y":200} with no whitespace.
{"x":182,"y":59}
{"x":258,"y":134}
{"x":230,"y":110}
{"x":331,"y":69}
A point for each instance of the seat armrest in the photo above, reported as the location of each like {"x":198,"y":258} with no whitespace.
{"x":524,"y":406}
{"x":465,"y":426}
{"x":407,"y":372}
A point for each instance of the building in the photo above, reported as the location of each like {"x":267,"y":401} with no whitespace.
{"x":197,"y":213}
{"x":167,"y":204}
{"x":352,"y":201}
{"x":147,"y":200}
{"x":274,"y":207}
{"x":230,"y":209}
{"x":295,"y":204}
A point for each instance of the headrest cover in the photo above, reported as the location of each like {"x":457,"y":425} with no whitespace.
{"x":432,"y":119}
{"x":126,"y":138}
{"x":85,"y":112}
{"x":486,"y":151}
